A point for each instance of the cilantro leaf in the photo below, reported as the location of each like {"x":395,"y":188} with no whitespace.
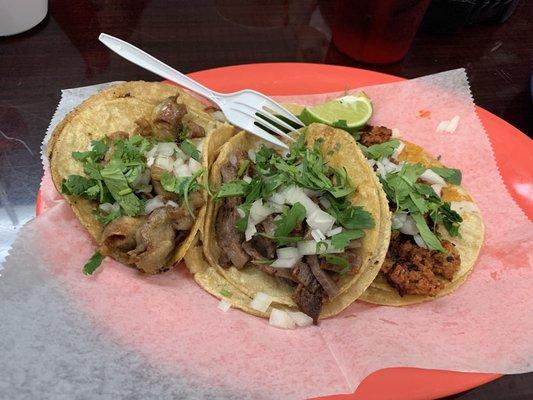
{"x":336,"y":260}
{"x":243,"y":167}
{"x":98,"y":150}
{"x":190,"y":149}
{"x":431,"y":240}
{"x":450,"y":175}
{"x":77,"y":185}
{"x":288,"y":221}
{"x":232,"y":189}
{"x":341,"y":240}
{"x":93,"y":263}
{"x":117,"y":184}
{"x":381,"y":150}
{"x":182,"y":186}
{"x":225,"y":293}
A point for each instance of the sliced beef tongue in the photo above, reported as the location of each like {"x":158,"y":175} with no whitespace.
{"x":322,"y":276}
{"x":229,"y":238}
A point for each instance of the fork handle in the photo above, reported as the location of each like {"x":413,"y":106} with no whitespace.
{"x":146,"y":61}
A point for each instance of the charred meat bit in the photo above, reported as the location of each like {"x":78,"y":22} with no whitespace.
{"x":167,"y":117}
{"x":258,"y":261}
{"x":155,"y":243}
{"x":322,"y":276}
{"x":230,"y":238}
{"x":119,"y":234}
{"x":308,"y":301}
{"x":194,"y":130}
{"x":413,"y":270}
{"x":371,"y":135}
{"x":302,"y":274}
{"x":180,"y":217}
{"x":144,"y":128}
{"x":158,"y":189}
{"x":118,"y":135}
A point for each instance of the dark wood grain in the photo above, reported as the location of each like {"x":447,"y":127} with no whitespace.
{"x":63,"y":52}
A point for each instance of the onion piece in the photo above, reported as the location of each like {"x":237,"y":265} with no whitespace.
{"x":381,"y":170}
{"x":294,"y":194}
{"x":437,"y":188}
{"x":233,"y":160}
{"x":288,"y":252}
{"x":246,"y":179}
{"x":419,"y":241}
{"x":251,"y":155}
{"x":224,"y":305}
{"x":108,"y":207}
{"x":277,"y":208}
{"x":334,"y":231}
{"x":409,"y":226}
{"x":398,"y":219}
{"x":312,"y":193}
{"x":261,"y":302}
{"x":280,"y":319}
{"x":241,"y":212}
{"x":152,"y":204}
{"x":371,"y":162}
{"x":166,"y":149}
{"x":318,"y":235}
{"x":321,"y":220}
{"x":467,"y":206}
{"x":258,"y":211}
{"x":287,"y":263}
{"x":250,"y":231}
{"x":398,"y":150}
{"x":432,"y":177}
{"x":309,"y":247}
{"x":164,"y":162}
{"x":395,"y":132}
{"x":324,"y":202}
{"x":172,"y":204}
{"x":194,"y":166}
{"x":300,"y":318}
{"x":452,"y":126}
{"x":277,"y":198}
{"x":182,"y":171}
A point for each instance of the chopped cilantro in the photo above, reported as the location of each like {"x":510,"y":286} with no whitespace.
{"x":431,"y":240}
{"x":450,"y":175}
{"x":117,"y":184}
{"x":93,"y":263}
{"x":232,"y":189}
{"x":341,"y":240}
{"x":225,"y":293}
{"x":381,"y":150}
{"x":336,"y":260}
{"x":190,"y":149}
{"x":288,"y":221}
{"x":182,"y":186}
{"x":242,"y":168}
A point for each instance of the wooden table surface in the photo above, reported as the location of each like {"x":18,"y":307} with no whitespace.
{"x":63,"y":52}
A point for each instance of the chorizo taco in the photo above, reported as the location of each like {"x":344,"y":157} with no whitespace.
{"x":129,"y":161}
{"x":437,"y":229}
{"x":301,"y":231}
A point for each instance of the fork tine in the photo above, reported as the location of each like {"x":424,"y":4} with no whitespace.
{"x":267,"y":114}
{"x":261,"y":121}
{"x":258,"y":131}
{"x":279,"y":109}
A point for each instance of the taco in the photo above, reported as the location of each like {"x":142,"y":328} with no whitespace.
{"x":129,"y":161}
{"x":437,"y":229}
{"x":303,"y":230}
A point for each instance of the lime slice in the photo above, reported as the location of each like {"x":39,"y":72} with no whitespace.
{"x":350,"y":112}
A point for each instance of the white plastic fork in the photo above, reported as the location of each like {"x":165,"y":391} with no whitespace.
{"x":243,"y":109}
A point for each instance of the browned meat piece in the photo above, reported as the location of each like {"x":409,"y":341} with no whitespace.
{"x":322,"y":276}
{"x":371,"y":135}
{"x":180,"y":217}
{"x":265,"y":246}
{"x":353,"y":258}
{"x":155,"y":243}
{"x":413,"y":270}
{"x":118,"y":135}
{"x":268,"y":225}
{"x":302,"y":273}
{"x":119,"y":234}
{"x":158,"y":189}
{"x":229,"y":238}
{"x":167,"y":117}
{"x":194,"y":130}
{"x":309,"y":302}
{"x":257,"y":260}
{"x":144,"y":128}
{"x":156,"y":173}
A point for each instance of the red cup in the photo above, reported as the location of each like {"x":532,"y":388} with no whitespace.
{"x":377,"y":31}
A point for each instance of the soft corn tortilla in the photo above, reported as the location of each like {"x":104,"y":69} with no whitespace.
{"x":468,"y":243}
{"x":116,"y":109}
{"x":369,"y":194}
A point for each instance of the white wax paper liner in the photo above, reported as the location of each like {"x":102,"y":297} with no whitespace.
{"x":123,"y":335}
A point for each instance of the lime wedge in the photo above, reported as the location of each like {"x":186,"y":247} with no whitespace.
{"x":349,"y":112}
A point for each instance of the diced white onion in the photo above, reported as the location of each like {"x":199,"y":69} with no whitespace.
{"x":442,"y":126}
{"x":152,"y":204}
{"x":300,"y":318}
{"x":150,"y":161}
{"x":182,"y":170}
{"x":294,"y":194}
{"x":467,"y":206}
{"x":318,"y":235}
{"x":151,"y":153}
{"x":250,"y":231}
{"x":309,"y":247}
{"x":277,"y":208}
{"x":219,"y":116}
{"x":278,"y":198}
{"x":319,"y":219}
{"x":261,"y":302}
{"x":258,"y":211}
{"x":432,"y":177}
{"x":371,"y":162}
{"x":251,"y":155}
{"x":172,"y":204}
{"x":312,"y":193}
{"x":194,"y":166}
{"x":246,"y":179}
{"x":324,"y":202}
{"x":390,"y":166}
{"x":398,"y":150}
{"x":233,"y":160}
{"x":454,"y":123}
{"x":419,"y":241}
{"x":166,"y":148}
{"x":288,"y":252}
{"x":398,"y":219}
{"x":437,"y":188}
{"x":381,"y":170}
{"x":285,"y":262}
{"x":409,"y":226}
{"x":280,"y":319}
{"x":334,"y":231}
{"x":224,"y":305}
{"x":164,"y":162}
{"x":395,"y":132}
{"x":108,"y":207}
{"x":241,"y":212}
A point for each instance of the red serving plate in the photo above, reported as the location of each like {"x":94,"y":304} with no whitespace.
{"x":513,"y":152}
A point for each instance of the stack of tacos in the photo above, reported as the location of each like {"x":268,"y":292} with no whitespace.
{"x":295,"y":236}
